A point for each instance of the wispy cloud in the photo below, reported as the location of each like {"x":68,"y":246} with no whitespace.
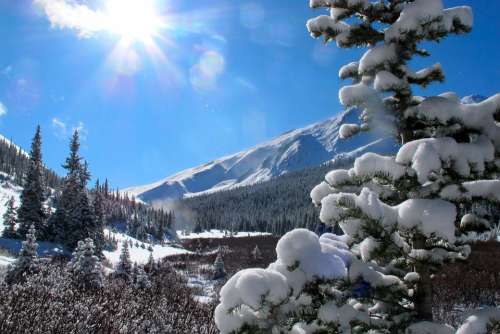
{"x":246,"y":83}
{"x":61,"y":129}
{"x":3,"y":109}
{"x":7,"y":70}
{"x":205,"y":73}
{"x":66,"y":14}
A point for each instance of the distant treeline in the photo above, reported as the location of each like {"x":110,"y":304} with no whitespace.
{"x":275,"y":206}
{"x":15,"y":162}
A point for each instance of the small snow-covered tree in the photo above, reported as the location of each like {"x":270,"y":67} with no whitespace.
{"x":150,"y":265}
{"x":124,"y":266}
{"x":299,"y":293}
{"x":141,"y":279}
{"x":219,"y":269}
{"x":85,"y":266}
{"x":256,"y":253}
{"x":27,"y":261}
{"x":10,"y":219}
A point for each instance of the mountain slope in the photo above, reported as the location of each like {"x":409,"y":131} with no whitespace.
{"x":293,"y":151}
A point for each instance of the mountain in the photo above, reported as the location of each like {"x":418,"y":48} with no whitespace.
{"x":292,"y":151}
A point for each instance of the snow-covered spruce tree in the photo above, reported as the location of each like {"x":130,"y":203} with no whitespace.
{"x":10,"y":220}
{"x":100,"y":219}
{"x":150,"y":265}
{"x":85,"y":266}
{"x":402,"y":216}
{"x":27,"y":261}
{"x":219,"y":269}
{"x":256,"y":253}
{"x":31,"y":210}
{"x":74,"y":218}
{"x":124,"y":266}
{"x":409,"y":213}
{"x":141,"y":279}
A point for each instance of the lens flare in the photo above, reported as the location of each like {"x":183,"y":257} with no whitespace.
{"x":134,"y":20}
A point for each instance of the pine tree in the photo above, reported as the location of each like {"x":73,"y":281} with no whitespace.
{"x":32,"y":211}
{"x":27,"y":262}
{"x":219,"y":269}
{"x":124,"y":267}
{"x":100,"y":220}
{"x":74,"y":218}
{"x":150,"y":265}
{"x":402,"y":217}
{"x":9,"y":220}
{"x":85,"y":267}
{"x":256,"y":253}
{"x":141,"y":280}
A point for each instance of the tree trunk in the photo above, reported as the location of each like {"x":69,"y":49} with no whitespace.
{"x":423,"y":295}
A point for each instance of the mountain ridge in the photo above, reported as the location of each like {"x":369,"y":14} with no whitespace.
{"x":294,"y":150}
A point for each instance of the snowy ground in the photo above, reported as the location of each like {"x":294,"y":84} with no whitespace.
{"x":5,"y":260}
{"x":217,"y":234}
{"x":138,"y":254}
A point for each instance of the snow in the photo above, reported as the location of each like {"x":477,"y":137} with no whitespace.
{"x":358,"y":95}
{"x":430,"y":217}
{"x":360,"y":270}
{"x":371,"y":164}
{"x":462,"y":14}
{"x":252,"y":293}
{"x":489,"y":189}
{"x":348,"y":130}
{"x":380,"y":56}
{"x":139,"y":255}
{"x":478,"y":321}
{"x":427,"y":327}
{"x":324,"y":23}
{"x":6,"y":260}
{"x":349,"y":70}
{"x":366,"y":247}
{"x":218,"y":234}
{"x":476,"y":116}
{"x":412,"y":18}
{"x":304,"y":249}
{"x":466,"y":157}
{"x":385,"y":81}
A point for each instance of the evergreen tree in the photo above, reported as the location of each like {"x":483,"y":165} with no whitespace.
{"x":100,"y":220}
{"x":85,"y":267}
{"x":74,"y":218}
{"x":27,"y":261}
{"x":10,"y":219}
{"x":219,"y":269}
{"x":256,"y":253}
{"x":150,"y":265}
{"x":32,"y":211}
{"x":402,"y":217}
{"x":124,"y":267}
{"x":141,"y":280}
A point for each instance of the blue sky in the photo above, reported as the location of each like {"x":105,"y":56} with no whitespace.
{"x":222,"y":76}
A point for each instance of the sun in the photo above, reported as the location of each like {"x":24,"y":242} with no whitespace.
{"x":133,"y":20}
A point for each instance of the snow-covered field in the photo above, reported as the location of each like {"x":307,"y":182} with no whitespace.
{"x":217,"y":234}
{"x":140,"y":255}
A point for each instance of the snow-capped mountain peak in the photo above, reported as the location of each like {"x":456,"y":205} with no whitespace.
{"x":292,"y":151}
